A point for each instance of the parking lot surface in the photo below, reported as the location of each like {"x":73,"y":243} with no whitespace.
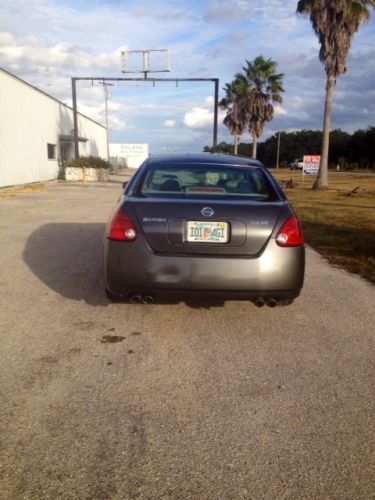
{"x":191,"y":400}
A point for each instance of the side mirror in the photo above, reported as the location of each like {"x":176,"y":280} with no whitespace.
{"x":124,"y":184}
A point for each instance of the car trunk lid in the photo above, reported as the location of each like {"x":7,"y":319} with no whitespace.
{"x":164,"y":224}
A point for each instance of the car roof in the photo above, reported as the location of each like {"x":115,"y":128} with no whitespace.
{"x":215,"y":159}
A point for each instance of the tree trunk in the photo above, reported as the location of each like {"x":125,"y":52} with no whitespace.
{"x":255,"y":143}
{"x":236,"y":144}
{"x":322,"y":179}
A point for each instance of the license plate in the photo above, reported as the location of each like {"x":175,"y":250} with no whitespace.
{"x":207,"y":232}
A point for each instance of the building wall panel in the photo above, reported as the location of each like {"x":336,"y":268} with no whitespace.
{"x":29,"y":120}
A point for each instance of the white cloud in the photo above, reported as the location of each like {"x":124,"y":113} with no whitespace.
{"x":149,"y":106}
{"x":6,"y":39}
{"x":115,"y":123}
{"x":227,"y":11}
{"x":198,"y":118}
{"x":169,"y":123}
{"x":114,"y":106}
{"x":32,"y":55}
{"x":279,"y":110}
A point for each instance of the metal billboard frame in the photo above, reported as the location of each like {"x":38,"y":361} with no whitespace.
{"x":103,"y":80}
{"x":146,"y":55}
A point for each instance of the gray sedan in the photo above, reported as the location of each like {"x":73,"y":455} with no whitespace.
{"x":204,"y":225}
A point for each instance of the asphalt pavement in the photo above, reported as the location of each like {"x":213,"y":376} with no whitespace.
{"x":193,"y":400}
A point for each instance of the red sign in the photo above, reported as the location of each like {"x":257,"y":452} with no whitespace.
{"x":311,"y":164}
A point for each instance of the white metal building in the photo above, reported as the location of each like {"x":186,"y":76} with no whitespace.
{"x":36,"y":133}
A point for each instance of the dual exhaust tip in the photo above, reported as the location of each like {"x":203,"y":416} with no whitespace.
{"x":141,"y":299}
{"x":265,"y":302}
{"x":149,"y":299}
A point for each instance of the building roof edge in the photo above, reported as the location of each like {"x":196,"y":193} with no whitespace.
{"x":48,"y":95}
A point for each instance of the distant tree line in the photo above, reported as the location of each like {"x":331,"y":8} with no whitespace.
{"x":350,"y":151}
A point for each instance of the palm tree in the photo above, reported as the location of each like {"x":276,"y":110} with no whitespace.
{"x":234,"y":119}
{"x":335,"y":24}
{"x":261,"y":88}
{"x":235,"y":129}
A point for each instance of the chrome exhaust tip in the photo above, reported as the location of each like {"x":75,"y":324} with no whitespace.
{"x":259,"y":302}
{"x":148,"y":299}
{"x":135,"y":299}
{"x":272,"y":303}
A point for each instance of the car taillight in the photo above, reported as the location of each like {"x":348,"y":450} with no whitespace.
{"x":121,"y":228}
{"x":290,"y":235}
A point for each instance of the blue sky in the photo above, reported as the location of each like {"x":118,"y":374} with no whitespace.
{"x":46,"y":42}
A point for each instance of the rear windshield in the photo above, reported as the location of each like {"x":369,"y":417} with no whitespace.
{"x":192,"y":181}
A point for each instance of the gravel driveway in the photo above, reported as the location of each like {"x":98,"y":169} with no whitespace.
{"x":172,"y":400}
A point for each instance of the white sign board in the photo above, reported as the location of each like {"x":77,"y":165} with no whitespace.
{"x":311,"y":165}
{"x":135,"y":154}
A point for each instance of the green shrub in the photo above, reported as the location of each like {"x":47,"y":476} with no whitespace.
{"x":89,"y":162}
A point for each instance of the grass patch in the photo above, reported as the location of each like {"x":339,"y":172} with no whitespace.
{"x":10,"y":193}
{"x":338,"y":225}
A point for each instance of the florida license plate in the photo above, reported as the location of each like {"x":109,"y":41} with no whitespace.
{"x":207,"y":231}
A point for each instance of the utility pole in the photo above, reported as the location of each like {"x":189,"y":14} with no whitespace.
{"x":278,"y":151}
{"x":75,"y":117}
{"x":216,"y":107}
{"x":107,"y":96}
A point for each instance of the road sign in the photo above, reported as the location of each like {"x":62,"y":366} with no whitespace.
{"x":134,"y":154}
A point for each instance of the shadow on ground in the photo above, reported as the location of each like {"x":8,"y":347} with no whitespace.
{"x":68,"y":258}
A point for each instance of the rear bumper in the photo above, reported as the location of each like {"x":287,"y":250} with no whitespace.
{"x":135,"y":268}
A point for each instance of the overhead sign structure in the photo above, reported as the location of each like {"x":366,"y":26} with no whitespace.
{"x":146,"y":61}
{"x":134,"y":154}
{"x":104,"y":81}
{"x":311,"y":165}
